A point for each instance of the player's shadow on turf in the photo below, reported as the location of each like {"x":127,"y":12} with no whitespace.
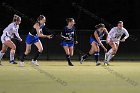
{"x":108,"y":65}
{"x":57,"y":65}
{"x":84,"y":65}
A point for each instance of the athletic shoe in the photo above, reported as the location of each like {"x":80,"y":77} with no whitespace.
{"x":12,"y":62}
{"x":82,"y":59}
{"x":70,"y":64}
{"x":21,"y":64}
{"x":106,"y":56}
{"x":98,"y":63}
{"x":35,"y":62}
{"x":106,"y":63}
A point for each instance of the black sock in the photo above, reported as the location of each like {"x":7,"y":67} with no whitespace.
{"x":86,"y":55}
{"x":68,"y":58}
{"x":36,"y":55}
{"x":96,"y":55}
{"x":22,"y":57}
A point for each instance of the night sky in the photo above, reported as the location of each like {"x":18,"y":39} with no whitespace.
{"x":56,"y":11}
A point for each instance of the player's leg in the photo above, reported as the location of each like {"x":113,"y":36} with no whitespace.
{"x":96,"y":52}
{"x":2,"y":52}
{"x":27,"y":51}
{"x":110,"y":54}
{"x":85,"y":56}
{"x":71,"y":50}
{"x":91,"y":51}
{"x":67,"y":51}
{"x":40,"y":50}
{"x":12,"y":46}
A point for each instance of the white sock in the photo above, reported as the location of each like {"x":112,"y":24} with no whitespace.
{"x":12,"y":56}
{"x":1,"y":55}
{"x":110,"y":57}
{"x":109,"y":53}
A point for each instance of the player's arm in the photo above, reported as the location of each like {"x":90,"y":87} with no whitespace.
{"x":126,"y":35}
{"x":17,"y":35}
{"x":63,"y":35}
{"x":99,"y":41}
{"x":40,"y":33}
{"x":106,"y":32}
{"x":111,"y":34}
{"x":11,"y":27}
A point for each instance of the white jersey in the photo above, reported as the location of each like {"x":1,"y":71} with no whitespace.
{"x":9,"y":32}
{"x":115,"y":34}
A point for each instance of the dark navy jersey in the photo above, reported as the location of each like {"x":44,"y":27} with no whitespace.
{"x":33,"y":30}
{"x":100,"y":34}
{"x":70,"y":33}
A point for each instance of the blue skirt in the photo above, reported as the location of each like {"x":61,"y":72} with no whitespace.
{"x":31,"y":39}
{"x":67,"y":43}
{"x":93,"y":40}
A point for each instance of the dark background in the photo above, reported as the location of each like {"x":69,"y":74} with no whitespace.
{"x":56,"y":11}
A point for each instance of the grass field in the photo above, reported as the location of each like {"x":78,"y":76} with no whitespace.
{"x":57,"y":77}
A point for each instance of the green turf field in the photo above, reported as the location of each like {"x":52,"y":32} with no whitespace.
{"x":57,"y":77}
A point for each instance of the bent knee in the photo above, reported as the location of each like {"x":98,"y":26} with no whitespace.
{"x":114,"y":50}
{"x":3,"y":51}
{"x":27,"y":51}
{"x":13,"y":48}
{"x":71,"y":54}
{"x":40,"y":50}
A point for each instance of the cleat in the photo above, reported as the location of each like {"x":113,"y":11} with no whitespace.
{"x":70,"y":64}
{"x":12,"y":62}
{"x":82,"y":59}
{"x":21,"y":64}
{"x":98,"y":63}
{"x":35,"y":62}
{"x":106,"y":63}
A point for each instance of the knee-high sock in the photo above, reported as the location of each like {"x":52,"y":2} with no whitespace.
{"x":68,"y":58}
{"x":109,"y":52}
{"x":1,"y":55}
{"x":96,"y":55}
{"x":12,"y":56}
{"x":22,"y":57}
{"x":86,"y":55}
{"x":110,"y":55}
{"x":36,"y":56}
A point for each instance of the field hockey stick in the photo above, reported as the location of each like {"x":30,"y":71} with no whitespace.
{"x":117,"y":40}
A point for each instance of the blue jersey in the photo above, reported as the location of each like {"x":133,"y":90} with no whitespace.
{"x":32,"y":37}
{"x":70,"y":33}
{"x":33,"y":30}
{"x":100,"y":35}
{"x":71,"y":37}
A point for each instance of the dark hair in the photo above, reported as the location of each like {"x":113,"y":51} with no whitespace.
{"x":16,"y":18}
{"x":69,"y":20}
{"x":100,"y":25}
{"x":40,"y":18}
{"x":119,"y":22}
